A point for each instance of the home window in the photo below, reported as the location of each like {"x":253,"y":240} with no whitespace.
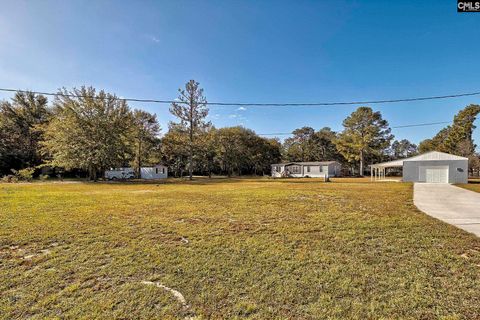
{"x":295,"y":169}
{"x":163,"y":170}
{"x":308,"y":168}
{"x":156,"y":170}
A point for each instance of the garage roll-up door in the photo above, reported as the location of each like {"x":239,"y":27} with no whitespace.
{"x":436,"y":174}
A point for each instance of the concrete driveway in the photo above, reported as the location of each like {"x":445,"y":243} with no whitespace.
{"x":448,"y":203}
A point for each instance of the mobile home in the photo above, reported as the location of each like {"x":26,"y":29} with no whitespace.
{"x":318,"y":169}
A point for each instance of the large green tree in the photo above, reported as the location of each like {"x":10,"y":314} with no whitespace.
{"x":175,"y":149}
{"x":90,"y":131}
{"x":144,"y":137}
{"x":242,"y":151}
{"x":264,"y":153}
{"x":191,"y":109}
{"x":21,"y":130}
{"x":461,"y":131}
{"x":298,"y":147}
{"x":365,"y":134}
{"x":323,"y":146}
{"x":403,"y":149}
{"x":205,"y":146}
{"x":436,"y":143}
{"x":456,"y":138}
{"x":306,"y":144}
{"x":231,"y":150}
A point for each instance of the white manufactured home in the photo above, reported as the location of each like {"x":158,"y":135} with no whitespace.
{"x":320,"y":169}
{"x":431,"y":167}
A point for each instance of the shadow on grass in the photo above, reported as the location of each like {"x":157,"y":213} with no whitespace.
{"x":200,"y":180}
{"x":208,"y":181}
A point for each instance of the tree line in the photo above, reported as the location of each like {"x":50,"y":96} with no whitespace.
{"x":88,"y":131}
{"x":457,"y":138}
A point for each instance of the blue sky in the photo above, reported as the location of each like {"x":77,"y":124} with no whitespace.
{"x":252,"y":51}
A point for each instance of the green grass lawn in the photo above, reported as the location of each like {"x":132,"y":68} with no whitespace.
{"x":239,"y":248}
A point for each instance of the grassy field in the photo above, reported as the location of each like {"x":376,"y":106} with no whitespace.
{"x":239,"y":248}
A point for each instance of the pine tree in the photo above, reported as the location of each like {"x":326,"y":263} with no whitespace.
{"x":191,"y":109}
{"x":365,"y":134}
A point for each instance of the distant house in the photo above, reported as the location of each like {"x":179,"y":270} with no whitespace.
{"x":430,"y":167}
{"x":316,"y":169}
{"x":156,"y":172}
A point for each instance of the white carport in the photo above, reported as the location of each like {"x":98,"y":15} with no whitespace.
{"x":378,"y":170}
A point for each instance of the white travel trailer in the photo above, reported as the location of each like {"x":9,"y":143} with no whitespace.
{"x":119,"y":174}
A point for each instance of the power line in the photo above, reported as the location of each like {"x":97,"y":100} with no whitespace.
{"x":395,"y":127}
{"x":277,"y":105}
{"x":421,"y":124}
{"x":237,"y":104}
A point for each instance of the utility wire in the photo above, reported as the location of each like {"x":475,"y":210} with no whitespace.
{"x":276,"y":104}
{"x":236,"y":104}
{"x":395,"y":127}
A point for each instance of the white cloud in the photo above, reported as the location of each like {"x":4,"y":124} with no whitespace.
{"x":214,"y":116}
{"x":152,"y":38}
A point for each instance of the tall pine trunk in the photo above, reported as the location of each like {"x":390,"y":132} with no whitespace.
{"x":139,"y":159}
{"x":190,"y":162}
{"x":361,"y":163}
{"x":190,"y":154}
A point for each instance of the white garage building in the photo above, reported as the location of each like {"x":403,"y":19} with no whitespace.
{"x":431,"y":167}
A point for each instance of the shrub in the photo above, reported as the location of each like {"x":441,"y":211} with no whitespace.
{"x":44,"y":177}
{"x":24,"y":174}
{"x":10,"y":178}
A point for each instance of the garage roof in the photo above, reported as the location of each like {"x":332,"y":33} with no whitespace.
{"x":428,"y":156}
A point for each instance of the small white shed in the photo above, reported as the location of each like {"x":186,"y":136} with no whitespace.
{"x":155,"y":172}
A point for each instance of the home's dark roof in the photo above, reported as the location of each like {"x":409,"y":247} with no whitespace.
{"x":310,"y":163}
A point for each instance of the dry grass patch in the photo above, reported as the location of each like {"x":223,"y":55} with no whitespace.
{"x":473,"y":184}
{"x":234,"y":248}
